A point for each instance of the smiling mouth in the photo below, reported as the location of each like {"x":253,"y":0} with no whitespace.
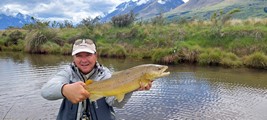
{"x":85,"y":65}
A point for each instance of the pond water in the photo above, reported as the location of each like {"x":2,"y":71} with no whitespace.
{"x":189,"y":92}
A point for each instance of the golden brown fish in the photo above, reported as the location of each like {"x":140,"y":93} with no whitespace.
{"x":125,"y":81}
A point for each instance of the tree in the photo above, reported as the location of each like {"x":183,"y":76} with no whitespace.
{"x":89,"y":22}
{"x":158,"y":20}
{"x":123,"y":20}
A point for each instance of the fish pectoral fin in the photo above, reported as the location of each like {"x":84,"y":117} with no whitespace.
{"x":94,"y":97}
{"x":88,"y":82}
{"x":119,"y":97}
{"x":144,"y":82}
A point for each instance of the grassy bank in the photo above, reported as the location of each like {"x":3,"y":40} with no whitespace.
{"x":235,"y":43}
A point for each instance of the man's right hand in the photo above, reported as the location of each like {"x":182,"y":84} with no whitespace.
{"x":75,"y":92}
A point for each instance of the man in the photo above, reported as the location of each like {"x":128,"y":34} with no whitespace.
{"x":69,"y":84}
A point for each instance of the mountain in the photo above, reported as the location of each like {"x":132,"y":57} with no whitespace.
{"x":197,"y":4}
{"x":15,"y":21}
{"x":144,"y":8}
{"x":203,"y":9}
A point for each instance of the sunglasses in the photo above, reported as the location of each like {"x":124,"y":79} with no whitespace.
{"x":86,"y":41}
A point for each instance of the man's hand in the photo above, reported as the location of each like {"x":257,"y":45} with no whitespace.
{"x":144,"y":86}
{"x":75,"y":92}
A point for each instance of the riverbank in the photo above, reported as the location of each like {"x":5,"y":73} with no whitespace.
{"x":235,"y":43}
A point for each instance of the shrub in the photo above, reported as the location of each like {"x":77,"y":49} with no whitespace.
{"x":165,"y":56}
{"x":256,"y":60}
{"x":34,"y":41}
{"x":123,"y":20}
{"x":66,"y":49}
{"x":230,"y":60}
{"x":49,"y":47}
{"x":15,"y":36}
{"x":211,"y":57}
{"x":118,"y":51}
{"x":187,"y":53}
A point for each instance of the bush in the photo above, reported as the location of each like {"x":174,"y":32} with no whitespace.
{"x":15,"y":36}
{"x":118,"y":51}
{"x":34,"y":42}
{"x":256,"y":60}
{"x":66,"y":49}
{"x":50,"y":47}
{"x":165,"y":56}
{"x":230,"y":60}
{"x":187,"y":53}
{"x":123,"y":20}
{"x":211,"y":57}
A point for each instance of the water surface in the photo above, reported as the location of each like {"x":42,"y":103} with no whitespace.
{"x":189,"y":92}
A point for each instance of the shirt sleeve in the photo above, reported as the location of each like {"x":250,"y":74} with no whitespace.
{"x":52,"y":89}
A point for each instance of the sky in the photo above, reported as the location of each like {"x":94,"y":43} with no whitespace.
{"x":60,"y":10}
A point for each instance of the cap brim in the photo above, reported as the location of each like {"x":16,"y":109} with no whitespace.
{"x":82,"y":50}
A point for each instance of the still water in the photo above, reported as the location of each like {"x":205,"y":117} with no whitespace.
{"x":189,"y":92}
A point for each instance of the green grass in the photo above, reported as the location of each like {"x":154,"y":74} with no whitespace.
{"x":189,"y":42}
{"x":256,"y":60}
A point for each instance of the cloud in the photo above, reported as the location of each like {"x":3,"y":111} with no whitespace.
{"x":59,"y":10}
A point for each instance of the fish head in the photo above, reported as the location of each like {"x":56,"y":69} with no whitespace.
{"x":154,"y":71}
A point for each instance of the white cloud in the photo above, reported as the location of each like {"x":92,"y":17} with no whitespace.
{"x":13,"y":9}
{"x":60,"y":10}
{"x":73,"y":10}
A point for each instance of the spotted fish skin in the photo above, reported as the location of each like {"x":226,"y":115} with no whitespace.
{"x":125,"y":81}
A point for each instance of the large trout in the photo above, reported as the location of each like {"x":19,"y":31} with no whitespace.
{"x":125,"y":81}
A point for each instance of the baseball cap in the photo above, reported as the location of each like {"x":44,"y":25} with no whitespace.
{"x":83,"y":45}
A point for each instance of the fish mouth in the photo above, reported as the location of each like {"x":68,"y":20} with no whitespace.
{"x":163,"y":69}
{"x":165,"y":74}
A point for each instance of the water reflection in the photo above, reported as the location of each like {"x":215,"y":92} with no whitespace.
{"x":48,"y":60}
{"x":189,"y":92}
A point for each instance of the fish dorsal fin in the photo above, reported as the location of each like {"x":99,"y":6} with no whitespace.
{"x":119,"y":97}
{"x":88,"y":82}
{"x":94,"y":97}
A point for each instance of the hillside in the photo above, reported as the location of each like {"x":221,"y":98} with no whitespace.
{"x":144,"y":10}
{"x":196,"y":4}
{"x":203,"y":9}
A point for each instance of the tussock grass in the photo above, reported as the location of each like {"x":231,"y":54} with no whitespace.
{"x":49,"y":47}
{"x":256,"y":60}
{"x":34,"y":41}
{"x":114,"y":50}
{"x":161,"y":55}
{"x":210,"y":57}
{"x":230,"y":60}
{"x":66,"y":49}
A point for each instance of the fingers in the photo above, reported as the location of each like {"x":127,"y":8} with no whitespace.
{"x":81,"y":83}
{"x":75,"y":92}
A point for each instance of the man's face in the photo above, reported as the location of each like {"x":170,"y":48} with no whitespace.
{"x":85,"y":61}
